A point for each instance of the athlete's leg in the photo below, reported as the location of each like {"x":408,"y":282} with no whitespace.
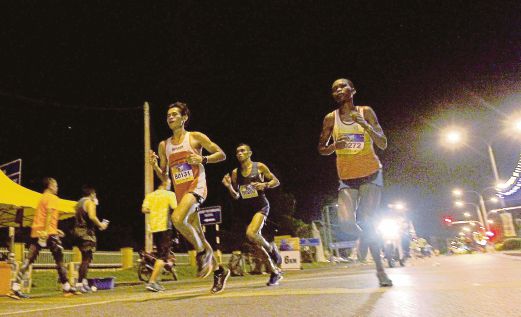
{"x":194,"y":220}
{"x":86,"y":258}
{"x":347,"y":204}
{"x":34,"y":250}
{"x":370,"y":195}
{"x":253,"y":233}
{"x":180,"y":216}
{"x":56,"y":249}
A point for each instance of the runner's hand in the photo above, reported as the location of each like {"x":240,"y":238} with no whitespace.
{"x":194,"y":159}
{"x":259,"y":186}
{"x":341,"y":144}
{"x":358,"y":118}
{"x":152,"y":158}
{"x":61,"y":234}
{"x":103,"y":226}
{"x":227,"y":180}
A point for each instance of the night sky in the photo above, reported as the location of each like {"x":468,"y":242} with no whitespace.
{"x":74,"y":77}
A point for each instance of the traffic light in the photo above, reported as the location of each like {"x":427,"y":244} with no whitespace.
{"x":447,"y":220}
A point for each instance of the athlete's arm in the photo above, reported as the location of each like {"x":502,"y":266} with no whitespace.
{"x":373,"y":128}
{"x":268,"y":175}
{"x":90,"y":207}
{"x":327,"y":129}
{"x":230,"y":184}
{"x":216,"y":153}
{"x":161,"y":168}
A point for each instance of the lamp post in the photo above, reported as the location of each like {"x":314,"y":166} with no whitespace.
{"x":480,"y":216}
{"x":482,"y":207}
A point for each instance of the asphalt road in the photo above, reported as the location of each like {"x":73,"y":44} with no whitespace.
{"x":464,"y":285}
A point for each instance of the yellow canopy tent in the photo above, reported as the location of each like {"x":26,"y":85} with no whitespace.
{"x":18,"y":203}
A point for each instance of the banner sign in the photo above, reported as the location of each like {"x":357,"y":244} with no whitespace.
{"x":290,"y":260}
{"x":210,"y":215}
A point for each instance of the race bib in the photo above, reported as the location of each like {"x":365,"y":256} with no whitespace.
{"x":355,"y":142}
{"x":248,"y":191}
{"x":182,"y":173}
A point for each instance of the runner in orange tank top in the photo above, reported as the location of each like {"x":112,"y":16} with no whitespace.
{"x":181,"y":158}
{"x":354,"y":130}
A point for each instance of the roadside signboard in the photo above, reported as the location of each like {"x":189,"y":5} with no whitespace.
{"x":210,"y":215}
{"x":310,"y":242}
{"x":342,"y":244}
{"x":290,"y":260}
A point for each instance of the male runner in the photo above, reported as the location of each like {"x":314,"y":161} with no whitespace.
{"x":158,"y":204}
{"x":85,"y":224}
{"x":248,"y":184}
{"x":354,"y":130}
{"x":181,"y":157}
{"x":45,"y":233}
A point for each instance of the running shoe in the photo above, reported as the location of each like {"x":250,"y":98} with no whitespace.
{"x":384,"y":280}
{"x":154,"y":287}
{"x":204,"y":261}
{"x":219,"y":280}
{"x":275,"y":255}
{"x":68,"y":290}
{"x":82,"y":288}
{"x":17,"y":295}
{"x":275,"y":277}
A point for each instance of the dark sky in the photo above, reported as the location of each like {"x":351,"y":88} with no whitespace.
{"x":73,"y":76}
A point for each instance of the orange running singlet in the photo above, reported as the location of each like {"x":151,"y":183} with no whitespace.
{"x":358,"y":159}
{"x":185,"y":177}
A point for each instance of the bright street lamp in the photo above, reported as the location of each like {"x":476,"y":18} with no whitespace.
{"x":457,"y":192}
{"x":466,"y":214}
{"x":460,"y":204}
{"x":397,"y":206}
{"x":455,"y":136}
{"x":517,"y":125}
{"x":483,"y":209}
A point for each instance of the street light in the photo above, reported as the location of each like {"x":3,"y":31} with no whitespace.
{"x":460,"y":203}
{"x":517,"y":125}
{"x":455,"y":136}
{"x":466,"y":214}
{"x":459,"y":193}
{"x":397,"y":206}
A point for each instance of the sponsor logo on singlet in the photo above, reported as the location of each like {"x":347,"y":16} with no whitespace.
{"x":248,"y":191}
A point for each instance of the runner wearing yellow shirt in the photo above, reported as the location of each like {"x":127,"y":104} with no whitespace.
{"x":158,"y":205}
